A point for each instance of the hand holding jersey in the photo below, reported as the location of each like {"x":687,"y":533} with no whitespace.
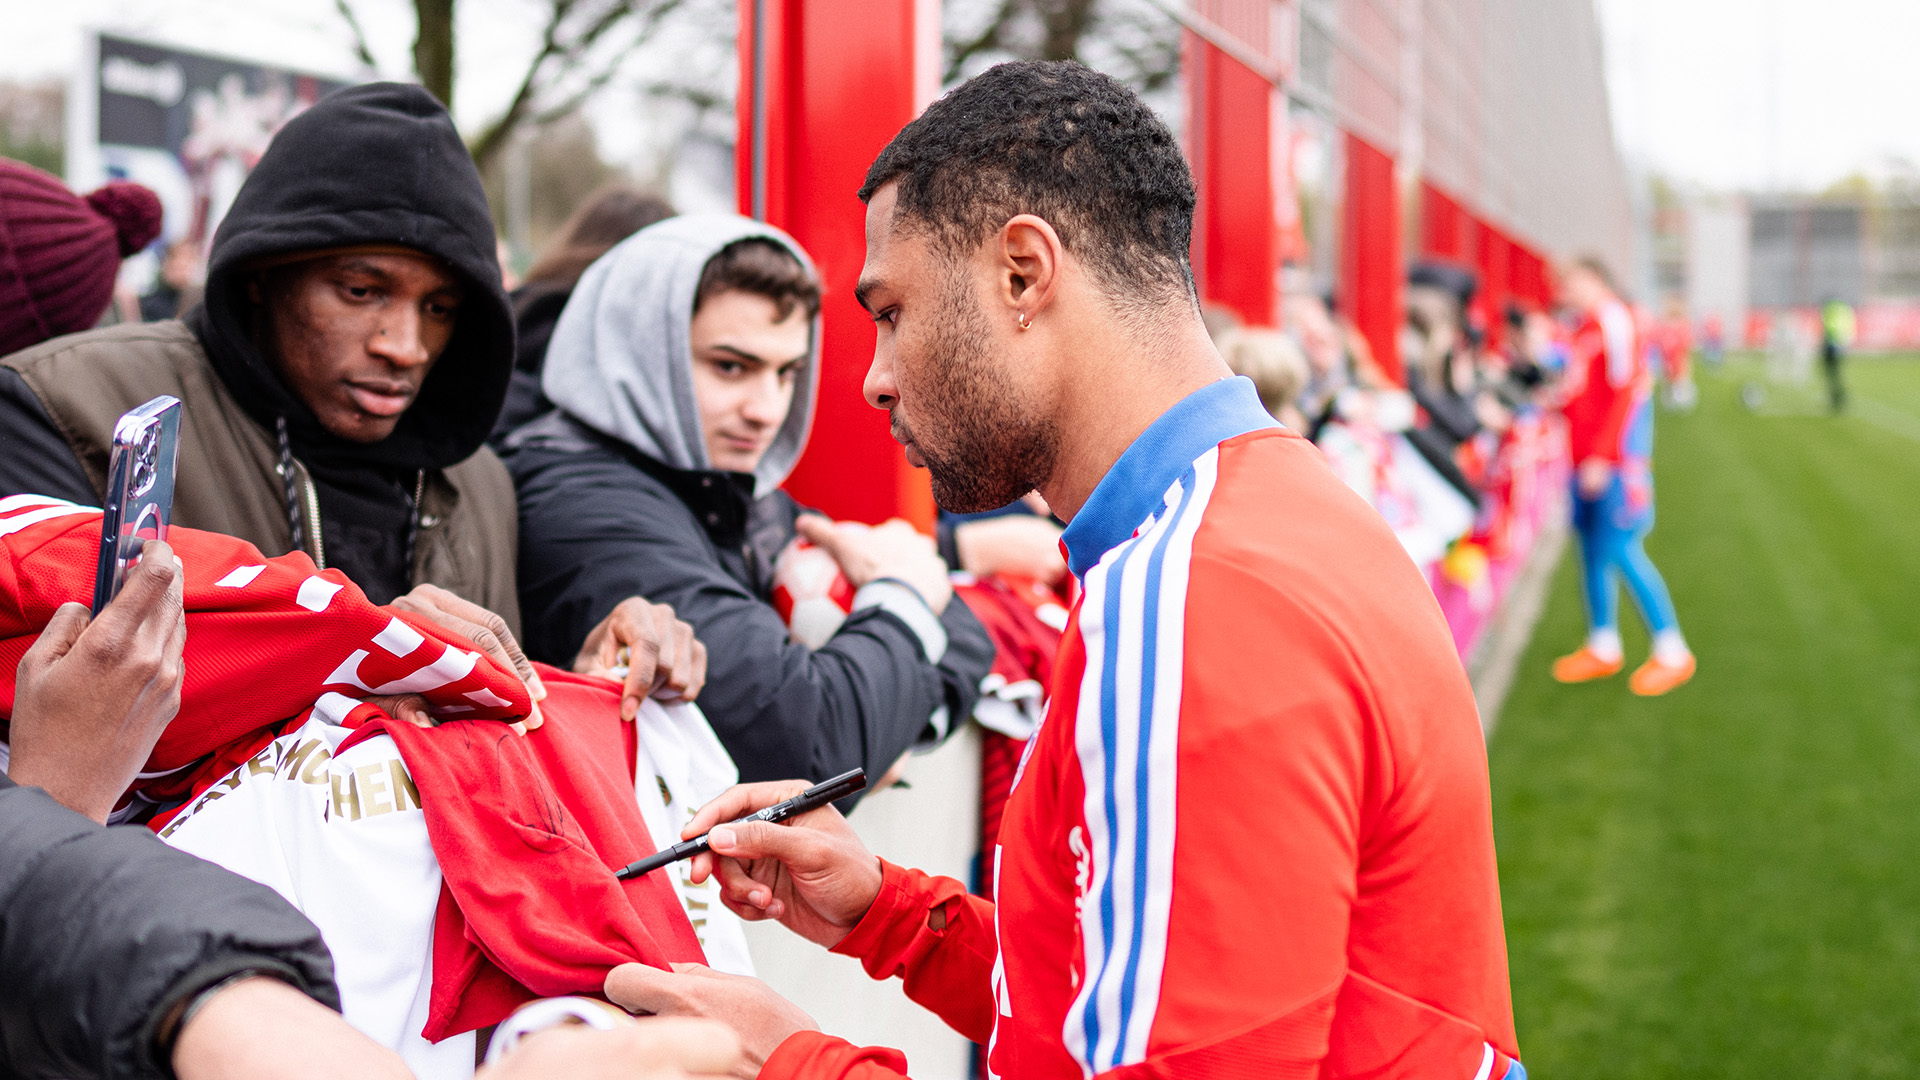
{"x":658,"y":651}
{"x":484,"y":629}
{"x":93,"y":697}
{"x":650,"y":1050}
{"x":757,"y":1019}
{"x":893,"y":550}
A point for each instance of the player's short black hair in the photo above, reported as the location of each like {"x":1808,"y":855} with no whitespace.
{"x":1060,"y":141}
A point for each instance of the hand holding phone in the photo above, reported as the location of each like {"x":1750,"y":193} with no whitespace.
{"x":93,"y":696}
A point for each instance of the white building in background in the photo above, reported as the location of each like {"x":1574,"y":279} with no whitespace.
{"x":1718,"y":261}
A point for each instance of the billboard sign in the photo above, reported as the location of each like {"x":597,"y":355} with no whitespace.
{"x":187,"y":124}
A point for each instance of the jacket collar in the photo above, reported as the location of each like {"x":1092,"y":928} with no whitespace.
{"x":720,"y":501}
{"x":1137,"y":483}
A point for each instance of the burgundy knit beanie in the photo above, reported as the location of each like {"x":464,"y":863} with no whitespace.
{"x":59,"y":253}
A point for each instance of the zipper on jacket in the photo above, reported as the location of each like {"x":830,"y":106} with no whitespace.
{"x":313,"y":520}
{"x":415,"y":522}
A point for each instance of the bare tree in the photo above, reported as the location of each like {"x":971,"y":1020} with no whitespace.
{"x":1129,"y":39}
{"x":582,"y":47}
{"x":1010,"y":29}
{"x":433,"y":47}
{"x":583,"y":44}
{"x":361,"y":51}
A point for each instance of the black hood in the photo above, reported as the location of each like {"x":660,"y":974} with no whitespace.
{"x":377,"y":164}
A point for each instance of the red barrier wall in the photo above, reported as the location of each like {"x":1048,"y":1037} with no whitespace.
{"x":839,"y":83}
{"x":1370,"y":264}
{"x":1443,"y":226}
{"x":1531,"y":281}
{"x":1235,"y":253}
{"x":1491,"y":261}
{"x":1509,"y":271}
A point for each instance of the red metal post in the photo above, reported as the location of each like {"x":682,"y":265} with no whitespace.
{"x":824,"y":84}
{"x":1236,"y":242}
{"x":1493,"y":264}
{"x":1440,"y":225}
{"x":1530,"y":278}
{"x":1370,"y":263}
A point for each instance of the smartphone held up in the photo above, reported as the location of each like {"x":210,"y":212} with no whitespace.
{"x":139,"y":501}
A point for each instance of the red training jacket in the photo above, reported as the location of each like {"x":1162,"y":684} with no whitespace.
{"x":1253,"y":837}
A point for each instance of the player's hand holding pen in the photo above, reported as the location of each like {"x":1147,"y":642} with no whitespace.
{"x":812,"y":873}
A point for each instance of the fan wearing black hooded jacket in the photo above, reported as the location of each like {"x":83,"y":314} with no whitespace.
{"x":340,"y":378}
{"x":341,"y":374}
{"x":684,"y":372}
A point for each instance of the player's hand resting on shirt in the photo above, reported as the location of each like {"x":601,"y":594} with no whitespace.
{"x":811,"y":873}
{"x":1593,"y":476}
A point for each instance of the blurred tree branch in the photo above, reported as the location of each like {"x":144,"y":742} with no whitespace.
{"x":361,"y":51}
{"x":1138,"y":46}
{"x":583,"y":44}
{"x":574,"y":30}
{"x":990,"y":38}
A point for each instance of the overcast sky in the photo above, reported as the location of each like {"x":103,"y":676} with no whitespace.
{"x":1727,"y":93}
{"x":1758,"y":93}
{"x":495,"y":38}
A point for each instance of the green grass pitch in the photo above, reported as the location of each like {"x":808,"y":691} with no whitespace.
{"x":1725,"y":882}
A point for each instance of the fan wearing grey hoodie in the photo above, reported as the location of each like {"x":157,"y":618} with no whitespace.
{"x":684,"y":371}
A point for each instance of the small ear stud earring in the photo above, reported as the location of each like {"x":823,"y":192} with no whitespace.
{"x":1021,"y":318}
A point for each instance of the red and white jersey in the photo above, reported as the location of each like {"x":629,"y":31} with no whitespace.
{"x":1253,"y":836}
{"x":1607,"y":378}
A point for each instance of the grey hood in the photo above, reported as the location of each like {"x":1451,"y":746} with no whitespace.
{"x":621,"y":360}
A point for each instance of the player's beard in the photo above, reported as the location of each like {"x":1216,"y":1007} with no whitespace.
{"x":983,"y":445}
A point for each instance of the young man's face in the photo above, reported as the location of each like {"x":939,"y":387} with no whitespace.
{"x":746,"y":361}
{"x":355,"y":335}
{"x":965,"y":398}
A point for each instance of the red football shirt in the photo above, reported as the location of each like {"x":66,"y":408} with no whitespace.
{"x":1607,"y":376}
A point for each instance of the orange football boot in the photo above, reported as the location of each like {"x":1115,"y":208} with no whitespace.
{"x":1583,"y":665}
{"x":1654,"y":678}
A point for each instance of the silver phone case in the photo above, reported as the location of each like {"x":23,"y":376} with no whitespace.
{"x":139,"y":501}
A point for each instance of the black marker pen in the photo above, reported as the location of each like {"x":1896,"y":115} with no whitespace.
{"x":813,"y":798}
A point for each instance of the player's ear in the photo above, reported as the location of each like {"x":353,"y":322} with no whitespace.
{"x":1029,"y":256}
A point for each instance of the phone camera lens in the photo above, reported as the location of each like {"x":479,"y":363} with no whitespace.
{"x":144,"y":470}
